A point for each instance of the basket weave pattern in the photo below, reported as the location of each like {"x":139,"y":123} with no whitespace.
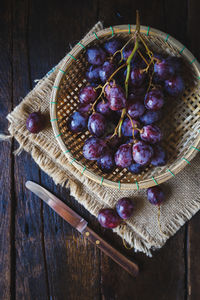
{"x":180,"y":122}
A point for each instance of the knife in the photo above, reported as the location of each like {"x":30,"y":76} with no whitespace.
{"x":81,"y":225}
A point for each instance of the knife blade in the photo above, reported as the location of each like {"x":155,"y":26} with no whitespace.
{"x":81,"y":225}
{"x":58,"y":206}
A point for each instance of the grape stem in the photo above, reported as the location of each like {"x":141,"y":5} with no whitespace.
{"x":98,"y":87}
{"x":128,"y":62}
{"x":121,"y":121}
{"x":134,"y":127}
{"x":150,"y":54}
{"x":150,"y":82}
{"x":128,"y":70}
{"x":103,"y":87}
{"x":136,"y":36}
{"x":144,"y":59}
{"x":126,"y":83}
{"x":121,"y":50}
{"x":95,"y":102}
{"x":113,"y":74}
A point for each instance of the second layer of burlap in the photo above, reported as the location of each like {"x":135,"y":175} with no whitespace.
{"x":142,"y":231}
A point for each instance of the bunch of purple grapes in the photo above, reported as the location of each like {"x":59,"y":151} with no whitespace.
{"x":104,"y":103}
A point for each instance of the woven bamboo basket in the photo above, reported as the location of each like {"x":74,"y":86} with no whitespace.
{"x":181,"y":123}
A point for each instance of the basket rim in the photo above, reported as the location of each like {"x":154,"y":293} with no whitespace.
{"x":149,"y":182}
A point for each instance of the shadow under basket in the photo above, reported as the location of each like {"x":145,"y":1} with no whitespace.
{"x":180,"y":123}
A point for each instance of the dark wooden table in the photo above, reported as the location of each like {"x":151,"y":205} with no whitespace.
{"x":42,"y":257}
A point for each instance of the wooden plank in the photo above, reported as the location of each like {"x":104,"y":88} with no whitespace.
{"x":72,"y":263}
{"x":161,"y":277}
{"x":116,"y":12}
{"x":176,"y":25}
{"x":175,"y":19}
{"x":193,"y":245}
{"x":193,"y":265}
{"x":30,"y":267}
{"x":192,"y":27}
{"x":6,"y":212}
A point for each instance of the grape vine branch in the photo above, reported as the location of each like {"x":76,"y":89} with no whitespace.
{"x":137,"y":37}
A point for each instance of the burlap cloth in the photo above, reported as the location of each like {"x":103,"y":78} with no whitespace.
{"x":142,"y":230}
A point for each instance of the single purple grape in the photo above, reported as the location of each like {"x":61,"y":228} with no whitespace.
{"x":94,"y":148}
{"x":142,"y":153}
{"x":77,"y":122}
{"x":127,"y":128}
{"x":115,"y":96}
{"x":106,"y":163}
{"x":154,"y":99}
{"x":135,"y":168}
{"x":151,"y":134}
{"x":125,"y":208}
{"x":137,"y":77}
{"x":87,"y":95}
{"x":112,"y":45}
{"x":84,"y":109}
{"x":35,"y":122}
{"x":155,"y":195}
{"x":123,"y":156}
{"x":92,"y":74}
{"x":151,"y":117}
{"x":174,"y":86}
{"x":109,"y":218}
{"x":106,"y":71}
{"x":97,"y":124}
{"x":159,"y":157}
{"x":103,"y":108}
{"x":135,"y":109}
{"x":95,"y":56}
{"x":163,"y":69}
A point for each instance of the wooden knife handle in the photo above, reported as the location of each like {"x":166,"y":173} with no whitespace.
{"x":119,"y":258}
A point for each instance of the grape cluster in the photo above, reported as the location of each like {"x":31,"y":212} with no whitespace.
{"x":132,"y":100}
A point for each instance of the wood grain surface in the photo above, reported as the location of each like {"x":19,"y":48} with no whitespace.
{"x":41,"y":256}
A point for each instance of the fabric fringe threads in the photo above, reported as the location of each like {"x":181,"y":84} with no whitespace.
{"x":140,"y":231}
